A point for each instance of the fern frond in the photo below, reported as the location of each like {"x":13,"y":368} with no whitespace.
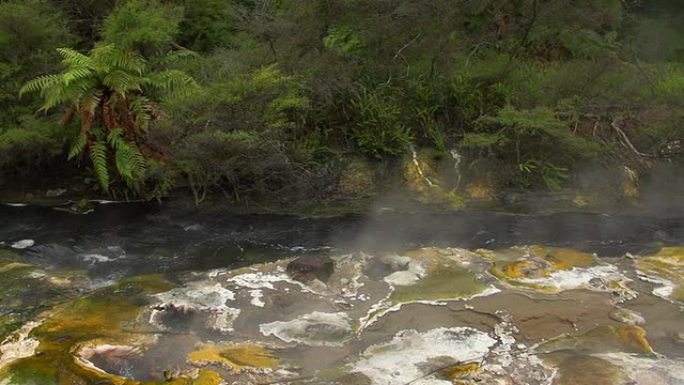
{"x":172,"y":81}
{"x":122,"y":82}
{"x":76,"y":73}
{"x":133,"y":64}
{"x":99,"y":133}
{"x":141,"y":107}
{"x":78,"y":146}
{"x":72,"y":57}
{"x":128,"y":158}
{"x":98,"y":155}
{"x":114,"y":137}
{"x":110,"y":58}
{"x":90,"y":102}
{"x":101,"y":55}
{"x":123,"y":164}
{"x":57,"y":95}
{"x":39,"y":84}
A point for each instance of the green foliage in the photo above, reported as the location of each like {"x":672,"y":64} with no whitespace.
{"x":314,"y":150}
{"x":111,"y":151}
{"x":30,"y":145}
{"x":262,"y":100}
{"x":587,"y":44}
{"x":85,"y":18}
{"x":234,"y":133}
{"x":241,"y":162}
{"x":142,"y":25}
{"x":30,"y":30}
{"x":669,"y":85}
{"x":553,"y":176}
{"x":532,"y":138}
{"x":158,"y":180}
{"x":426,"y":103}
{"x":209,"y":24}
{"x":128,"y":160}
{"x":343,"y":40}
{"x":479,"y":87}
{"x":532,"y":122}
{"x":106,"y":89}
{"x":380,"y":131}
{"x":658,"y":39}
{"x":98,"y":155}
{"x":288,"y":95}
{"x":478,"y":140}
{"x":290,"y":85}
{"x":88,"y":80}
{"x":78,"y":146}
{"x":588,"y":29}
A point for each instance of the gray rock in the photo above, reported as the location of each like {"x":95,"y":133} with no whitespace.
{"x":54,"y":193}
{"x":310,"y":267}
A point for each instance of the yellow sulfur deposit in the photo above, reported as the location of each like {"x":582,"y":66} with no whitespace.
{"x":561,"y":258}
{"x":207,"y":377}
{"x":234,"y":357}
{"x":603,"y":339}
{"x":668,"y":265}
{"x":100,"y":316}
{"x":459,"y":371}
{"x":525,"y":268}
{"x":515,"y":265}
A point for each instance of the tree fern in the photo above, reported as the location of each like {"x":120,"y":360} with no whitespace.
{"x":109,"y":85}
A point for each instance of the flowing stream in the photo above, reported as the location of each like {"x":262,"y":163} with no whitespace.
{"x":142,"y":293}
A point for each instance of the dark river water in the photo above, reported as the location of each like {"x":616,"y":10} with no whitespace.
{"x":129,"y":239}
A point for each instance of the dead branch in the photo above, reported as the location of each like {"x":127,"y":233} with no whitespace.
{"x":396,"y":55}
{"x":624,"y":139}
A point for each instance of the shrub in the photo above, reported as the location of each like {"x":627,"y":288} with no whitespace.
{"x":380,"y":130}
{"x":235,"y":134}
{"x":536,"y":141}
{"x":30,"y":145}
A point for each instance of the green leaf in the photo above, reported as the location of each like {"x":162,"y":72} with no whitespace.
{"x":78,"y":146}
{"x":39,"y":84}
{"x":127,"y":157}
{"x":74,"y":58}
{"x":98,"y":155}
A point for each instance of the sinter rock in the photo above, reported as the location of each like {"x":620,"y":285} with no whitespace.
{"x":309,"y":267}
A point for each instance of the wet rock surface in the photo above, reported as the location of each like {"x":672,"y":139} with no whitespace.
{"x":423,"y":316}
{"x":510,"y":315}
{"x":309,"y":267}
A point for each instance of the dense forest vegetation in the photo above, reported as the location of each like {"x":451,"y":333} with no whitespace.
{"x":277,"y":98}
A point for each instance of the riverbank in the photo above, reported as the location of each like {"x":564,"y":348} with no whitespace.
{"x":417,"y":183}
